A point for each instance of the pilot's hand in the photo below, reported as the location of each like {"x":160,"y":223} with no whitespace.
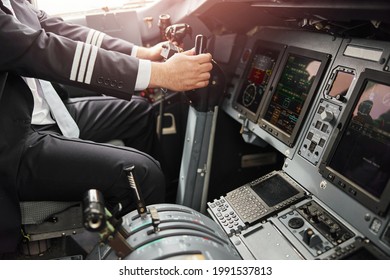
{"x":182,"y":72}
{"x":152,"y":53}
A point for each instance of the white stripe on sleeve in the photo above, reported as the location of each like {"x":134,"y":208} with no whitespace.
{"x":91,"y":64}
{"x":95,"y":38}
{"x":100,"y":40}
{"x":89,"y":37}
{"x":83,"y":65}
{"x":76,"y":61}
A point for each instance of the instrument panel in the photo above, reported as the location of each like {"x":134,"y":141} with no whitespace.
{"x":323,"y":103}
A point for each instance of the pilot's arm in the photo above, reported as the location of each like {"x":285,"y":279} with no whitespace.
{"x":48,"y":56}
{"x":76,"y":55}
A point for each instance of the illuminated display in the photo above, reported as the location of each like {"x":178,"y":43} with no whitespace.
{"x":291,"y":92}
{"x":258,"y":76}
{"x":341,"y":84}
{"x":358,"y":159}
{"x":363,"y":154}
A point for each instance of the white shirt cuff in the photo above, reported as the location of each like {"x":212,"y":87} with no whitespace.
{"x":134,"y":51}
{"x":144,"y":73}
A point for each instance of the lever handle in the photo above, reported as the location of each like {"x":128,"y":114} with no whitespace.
{"x":200,"y":44}
{"x":141,"y":207}
{"x":200,"y":96}
{"x":94,"y":217}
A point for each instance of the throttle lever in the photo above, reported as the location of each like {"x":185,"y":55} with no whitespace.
{"x":200,"y":44}
{"x":199,"y":97}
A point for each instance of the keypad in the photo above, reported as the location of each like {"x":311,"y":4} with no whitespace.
{"x":226,"y":216}
{"x":247,"y":205}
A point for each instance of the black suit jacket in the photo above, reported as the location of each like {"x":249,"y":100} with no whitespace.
{"x":13,"y":124}
{"x":36,"y":45}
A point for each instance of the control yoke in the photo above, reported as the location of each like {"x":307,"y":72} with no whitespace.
{"x":175,"y":35}
{"x":199,"y":97}
{"x":177,"y":32}
{"x":205,"y":99}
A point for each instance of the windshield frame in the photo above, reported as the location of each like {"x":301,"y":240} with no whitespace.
{"x":77,"y":8}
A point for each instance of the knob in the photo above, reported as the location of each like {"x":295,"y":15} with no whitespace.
{"x":295,"y":223}
{"x":310,"y":238}
{"x":315,"y":218}
{"x":314,"y":241}
{"x":327,"y":116}
{"x":334,"y":230}
{"x":307,"y":234}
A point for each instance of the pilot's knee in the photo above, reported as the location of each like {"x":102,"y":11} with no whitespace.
{"x":152,"y":181}
{"x":149,"y":178}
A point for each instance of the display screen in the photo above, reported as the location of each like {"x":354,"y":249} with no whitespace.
{"x":341,"y":84}
{"x":291,"y":92}
{"x":274,"y":190}
{"x":257,"y":78}
{"x":363,"y":153}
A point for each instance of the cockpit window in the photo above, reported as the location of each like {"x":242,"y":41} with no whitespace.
{"x":74,"y":8}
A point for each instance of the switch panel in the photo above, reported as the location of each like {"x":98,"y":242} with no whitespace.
{"x":320,"y":131}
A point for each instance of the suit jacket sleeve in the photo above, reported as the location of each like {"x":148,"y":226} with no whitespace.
{"x":46,"y":55}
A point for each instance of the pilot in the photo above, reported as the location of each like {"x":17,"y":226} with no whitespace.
{"x":48,"y":153}
{"x":363,"y":113}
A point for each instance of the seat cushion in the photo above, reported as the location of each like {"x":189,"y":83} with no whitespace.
{"x":36,"y":212}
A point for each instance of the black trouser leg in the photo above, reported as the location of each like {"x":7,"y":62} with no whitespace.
{"x":56,"y":168}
